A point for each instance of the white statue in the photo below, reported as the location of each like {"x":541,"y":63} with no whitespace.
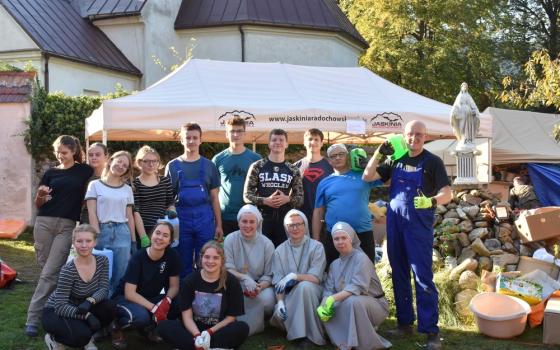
{"x":465,"y":119}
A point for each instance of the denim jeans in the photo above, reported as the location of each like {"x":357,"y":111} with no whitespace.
{"x":132,"y":315}
{"x":115,"y":236}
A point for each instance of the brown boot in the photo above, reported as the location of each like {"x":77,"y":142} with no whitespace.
{"x":400,"y":332}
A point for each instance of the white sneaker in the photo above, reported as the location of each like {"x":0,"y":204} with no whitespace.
{"x":52,"y":344}
{"x":90,"y":345}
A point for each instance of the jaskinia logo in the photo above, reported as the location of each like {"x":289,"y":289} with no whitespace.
{"x":249,"y":117}
{"x":387,"y":120}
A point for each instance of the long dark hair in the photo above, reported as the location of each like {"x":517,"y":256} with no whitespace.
{"x":73,"y":144}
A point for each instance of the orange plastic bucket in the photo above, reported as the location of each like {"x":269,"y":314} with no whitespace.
{"x":11,"y":228}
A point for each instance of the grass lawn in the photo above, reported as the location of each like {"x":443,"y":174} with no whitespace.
{"x":19,"y":254}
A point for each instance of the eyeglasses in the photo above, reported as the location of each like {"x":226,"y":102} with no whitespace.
{"x":150,"y":161}
{"x":295,"y":225}
{"x":237,"y":131}
{"x":337,"y":155}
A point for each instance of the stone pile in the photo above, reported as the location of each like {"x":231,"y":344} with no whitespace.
{"x":469,"y":239}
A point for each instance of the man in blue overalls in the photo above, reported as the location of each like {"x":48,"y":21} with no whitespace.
{"x":418,"y":184}
{"x":196,"y":182}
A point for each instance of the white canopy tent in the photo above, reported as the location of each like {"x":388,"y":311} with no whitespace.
{"x":518,"y":137}
{"x":350,"y":105}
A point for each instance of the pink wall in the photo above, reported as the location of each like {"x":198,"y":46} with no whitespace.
{"x":15,"y":164}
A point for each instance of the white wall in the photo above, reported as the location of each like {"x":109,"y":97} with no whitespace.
{"x":15,"y":163}
{"x":262,"y":44}
{"x":12,"y":37}
{"x":78,"y":79}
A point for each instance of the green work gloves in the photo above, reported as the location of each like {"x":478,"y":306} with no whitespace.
{"x":326,"y":309}
{"x":145,"y":241}
{"x":423,"y":202}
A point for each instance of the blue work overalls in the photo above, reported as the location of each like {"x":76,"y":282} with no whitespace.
{"x":409,"y":244}
{"x":196,"y":217}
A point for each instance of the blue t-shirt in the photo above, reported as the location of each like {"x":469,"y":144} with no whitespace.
{"x":345,"y":198}
{"x":233,"y":171}
{"x":191,"y":171}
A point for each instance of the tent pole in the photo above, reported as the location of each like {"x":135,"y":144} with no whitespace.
{"x":104,"y":137}
{"x":254,"y":146}
{"x":87,"y":147}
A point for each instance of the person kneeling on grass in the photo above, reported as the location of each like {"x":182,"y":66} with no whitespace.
{"x":211,"y":300}
{"x":79,"y":306}
{"x":140,"y":302}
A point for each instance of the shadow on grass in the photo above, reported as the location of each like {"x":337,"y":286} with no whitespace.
{"x":13,"y":307}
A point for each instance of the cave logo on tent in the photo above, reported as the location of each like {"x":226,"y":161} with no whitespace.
{"x":248,"y":117}
{"x":387,"y":120}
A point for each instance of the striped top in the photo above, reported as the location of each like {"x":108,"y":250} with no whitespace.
{"x":71,"y":290}
{"x":152,"y":201}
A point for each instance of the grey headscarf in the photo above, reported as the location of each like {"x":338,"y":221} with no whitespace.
{"x":293,"y":212}
{"x":251,"y":209}
{"x":346,"y":228}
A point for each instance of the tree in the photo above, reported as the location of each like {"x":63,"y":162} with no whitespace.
{"x":541,"y":87}
{"x":430,"y":47}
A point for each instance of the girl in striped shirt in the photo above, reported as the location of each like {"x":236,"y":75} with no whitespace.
{"x":153,"y":194}
{"x":79,"y":306}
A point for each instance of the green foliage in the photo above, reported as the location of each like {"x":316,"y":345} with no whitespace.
{"x":57,"y":114}
{"x":430,"y":47}
{"x":6,"y":67}
{"x":539,"y":88}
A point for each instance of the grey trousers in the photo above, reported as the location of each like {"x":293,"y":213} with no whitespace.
{"x":53,"y":238}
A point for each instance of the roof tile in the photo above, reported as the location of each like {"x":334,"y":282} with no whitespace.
{"x":59,"y":30}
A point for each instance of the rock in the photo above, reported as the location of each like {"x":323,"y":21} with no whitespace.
{"x":458,"y":248}
{"x":504,"y":259}
{"x":437,"y":220}
{"x":441,"y":209}
{"x":504,"y":235}
{"x":472,"y":211}
{"x":525,"y":251}
{"x":478,"y":247}
{"x":486,"y":196}
{"x":504,"y":230}
{"x":473,"y":200}
{"x":460,"y":194}
{"x":511,"y":267}
{"x":463,"y":239}
{"x":450,"y":221}
{"x":480,"y":224}
{"x":461,"y":214}
{"x":468,"y":280}
{"x":478,"y":233}
{"x":462,"y":301}
{"x":506,"y":225}
{"x":436,"y":256}
{"x":508,"y":247}
{"x":451,"y":214}
{"x":497,"y":252}
{"x":466,"y":226}
{"x":485,"y":203}
{"x":466,"y":253}
{"x":492,"y":244}
{"x":484,"y":263}
{"x":451,"y":206}
{"x":467,"y":264}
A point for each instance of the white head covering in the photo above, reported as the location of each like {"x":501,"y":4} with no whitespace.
{"x":251,"y":209}
{"x":346,"y":228}
{"x":336,"y":147}
{"x":293,"y":212}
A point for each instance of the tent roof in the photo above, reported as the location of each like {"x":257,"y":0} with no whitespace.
{"x":518,"y":137}
{"x":270,"y":95}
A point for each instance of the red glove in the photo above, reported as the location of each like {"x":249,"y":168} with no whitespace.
{"x":161,"y":309}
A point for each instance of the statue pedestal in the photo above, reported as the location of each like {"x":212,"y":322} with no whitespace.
{"x":466,"y":165}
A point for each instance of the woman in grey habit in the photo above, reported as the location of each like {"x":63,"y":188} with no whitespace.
{"x":298,"y":266}
{"x":354,"y":304}
{"x":249,"y":258}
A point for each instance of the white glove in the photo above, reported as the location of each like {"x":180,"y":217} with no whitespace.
{"x":281,"y":286}
{"x":281,"y":310}
{"x":205,"y":340}
{"x":198,"y":342}
{"x":248,"y":284}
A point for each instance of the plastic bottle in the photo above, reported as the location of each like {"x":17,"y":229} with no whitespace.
{"x":399,"y":145}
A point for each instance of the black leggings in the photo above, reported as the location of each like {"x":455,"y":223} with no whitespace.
{"x":366,"y":243}
{"x":230,"y":337}
{"x":273,"y":226}
{"x":73,"y":332}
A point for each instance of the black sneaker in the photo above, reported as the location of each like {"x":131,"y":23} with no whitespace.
{"x":401,"y":331}
{"x":433,"y":342}
{"x":31,"y":330}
